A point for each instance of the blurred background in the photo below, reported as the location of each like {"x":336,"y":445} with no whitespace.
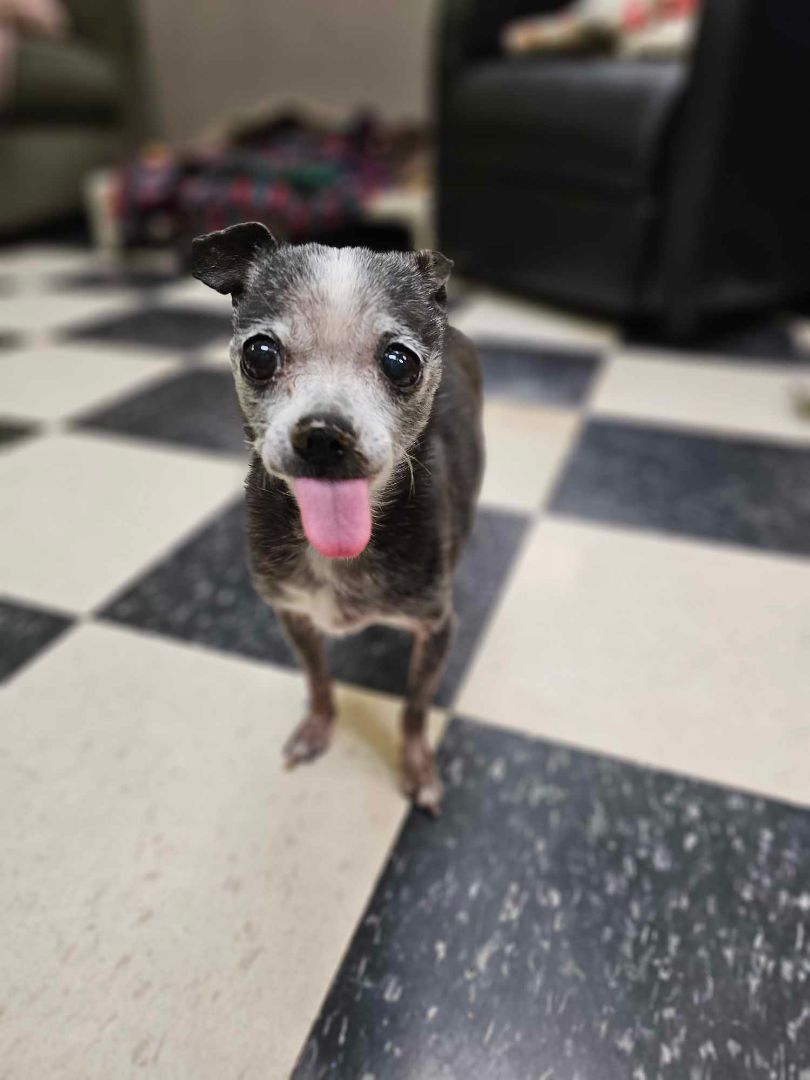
{"x":616,"y":157}
{"x":618,"y":886}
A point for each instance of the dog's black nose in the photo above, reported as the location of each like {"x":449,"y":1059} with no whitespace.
{"x":323,"y":442}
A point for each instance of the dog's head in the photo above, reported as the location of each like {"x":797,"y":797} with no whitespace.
{"x":336,"y":354}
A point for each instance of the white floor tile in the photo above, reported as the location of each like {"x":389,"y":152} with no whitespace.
{"x":52,"y":382}
{"x":492,"y":315}
{"x":38,"y":260}
{"x":79,"y":514}
{"x":177,"y":903}
{"x":216,"y":355}
{"x":192,"y":293}
{"x":679,"y":655}
{"x":525,"y":448}
{"x":38,"y":313}
{"x":731,"y":398}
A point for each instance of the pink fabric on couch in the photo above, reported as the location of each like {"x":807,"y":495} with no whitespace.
{"x":625,"y":27}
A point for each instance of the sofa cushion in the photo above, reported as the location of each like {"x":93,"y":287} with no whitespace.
{"x":63,"y":81}
{"x":586,"y":122}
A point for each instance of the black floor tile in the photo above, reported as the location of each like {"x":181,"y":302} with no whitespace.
{"x":11,"y":431}
{"x":745,"y":492}
{"x":378,"y":657}
{"x":570,"y":916}
{"x":161,"y":327}
{"x":114,"y":278}
{"x":203,"y":593}
{"x":762,"y":340}
{"x":194,"y":408}
{"x":538,"y":375}
{"x":24,"y":632}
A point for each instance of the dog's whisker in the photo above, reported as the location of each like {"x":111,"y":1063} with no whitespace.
{"x":409,"y":462}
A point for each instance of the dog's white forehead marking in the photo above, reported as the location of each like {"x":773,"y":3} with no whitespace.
{"x":339,"y":278}
{"x":338,"y":305}
{"x":335,"y":303}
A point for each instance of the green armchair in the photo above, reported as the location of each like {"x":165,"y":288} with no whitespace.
{"x":77,"y":104}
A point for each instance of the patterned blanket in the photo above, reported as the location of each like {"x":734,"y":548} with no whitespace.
{"x":301,"y":179}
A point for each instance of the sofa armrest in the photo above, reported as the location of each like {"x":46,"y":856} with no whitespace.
{"x":737,"y":141}
{"x":113,"y":28}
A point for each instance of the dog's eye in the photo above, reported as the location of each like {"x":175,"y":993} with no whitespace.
{"x":400,"y":365}
{"x":260,"y":357}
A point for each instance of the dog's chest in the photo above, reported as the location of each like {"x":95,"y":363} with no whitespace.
{"x":335,"y":601}
{"x":322,"y":605}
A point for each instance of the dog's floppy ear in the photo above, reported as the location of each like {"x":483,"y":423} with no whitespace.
{"x":438,"y":267}
{"x":435,"y":264}
{"x":221,"y":259}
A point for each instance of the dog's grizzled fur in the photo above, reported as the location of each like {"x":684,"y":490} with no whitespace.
{"x":346,"y":370}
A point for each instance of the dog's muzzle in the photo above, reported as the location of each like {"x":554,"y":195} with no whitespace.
{"x":326,"y":446}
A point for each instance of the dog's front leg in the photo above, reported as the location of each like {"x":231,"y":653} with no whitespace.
{"x":420,"y":780}
{"x":314,"y":733}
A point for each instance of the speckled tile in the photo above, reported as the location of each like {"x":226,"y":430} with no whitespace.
{"x":202,"y":593}
{"x":25,"y":632}
{"x":739,"y":491}
{"x":179,"y":900}
{"x":193,"y":408}
{"x":181,"y":905}
{"x":572,"y":917}
{"x":378,"y":657}
{"x":181,"y":328}
{"x":680,"y":655}
{"x":526,"y":373}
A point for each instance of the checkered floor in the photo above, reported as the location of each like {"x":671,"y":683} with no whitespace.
{"x":619,"y":885}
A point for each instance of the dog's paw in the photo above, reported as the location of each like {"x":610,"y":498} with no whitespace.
{"x":420,"y":781}
{"x":308,"y":741}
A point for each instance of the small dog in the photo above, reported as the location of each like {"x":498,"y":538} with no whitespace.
{"x":363,"y":410}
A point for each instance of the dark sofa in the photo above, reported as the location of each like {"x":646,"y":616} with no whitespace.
{"x":650,"y":189}
{"x":77,"y":104}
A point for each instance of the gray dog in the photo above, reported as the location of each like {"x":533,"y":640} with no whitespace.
{"x":363,"y":410}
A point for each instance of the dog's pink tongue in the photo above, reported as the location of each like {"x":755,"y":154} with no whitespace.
{"x":336,"y":515}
